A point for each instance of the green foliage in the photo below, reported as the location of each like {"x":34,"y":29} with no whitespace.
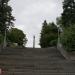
{"x":17,"y":36}
{"x":6,"y":18}
{"x":48,"y":35}
{"x":68,"y":38}
{"x":67,"y":22}
{"x":68,"y":15}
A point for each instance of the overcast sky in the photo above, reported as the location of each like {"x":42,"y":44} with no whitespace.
{"x":30,"y":14}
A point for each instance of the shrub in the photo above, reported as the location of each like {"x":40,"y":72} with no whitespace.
{"x":68,"y":38}
{"x":53,"y":42}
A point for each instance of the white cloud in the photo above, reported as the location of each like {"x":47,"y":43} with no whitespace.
{"x":30,"y":15}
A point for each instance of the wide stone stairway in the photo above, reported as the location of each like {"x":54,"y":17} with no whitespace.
{"x":37,"y":61}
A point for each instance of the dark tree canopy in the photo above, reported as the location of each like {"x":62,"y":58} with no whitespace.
{"x":48,"y":35}
{"x":17,"y":36}
{"x":68,"y":15}
{"x":6,"y":18}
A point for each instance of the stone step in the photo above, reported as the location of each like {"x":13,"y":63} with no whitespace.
{"x":30,"y":56}
{"x":29,"y":52}
{"x":38,"y":73}
{"x":33,"y":50}
{"x":15,"y":61}
{"x":31,"y":61}
{"x":37,"y":63}
{"x":40,"y":66}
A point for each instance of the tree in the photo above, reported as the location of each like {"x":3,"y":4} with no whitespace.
{"x":43,"y":32}
{"x":6,"y":18}
{"x":17,"y":36}
{"x":48,"y":35}
{"x":68,"y":38}
{"x":68,"y":15}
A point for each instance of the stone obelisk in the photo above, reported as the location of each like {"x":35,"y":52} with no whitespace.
{"x":33,"y":41}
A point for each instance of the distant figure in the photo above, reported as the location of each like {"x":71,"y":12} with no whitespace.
{"x":33,"y":41}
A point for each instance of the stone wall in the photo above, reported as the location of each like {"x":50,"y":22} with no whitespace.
{"x":63,"y":52}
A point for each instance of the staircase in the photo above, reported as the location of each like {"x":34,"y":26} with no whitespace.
{"x":35,"y":61}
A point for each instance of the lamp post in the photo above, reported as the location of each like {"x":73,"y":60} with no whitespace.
{"x":58,"y":35}
{"x":4,"y":39}
{"x":4,"y":43}
{"x":60,"y":31}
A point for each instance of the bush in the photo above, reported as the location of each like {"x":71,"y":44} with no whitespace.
{"x":53,"y":42}
{"x":68,"y":38}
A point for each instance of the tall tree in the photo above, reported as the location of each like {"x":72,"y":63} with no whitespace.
{"x":43,"y":31}
{"x":68,"y":15}
{"x":6,"y":18}
{"x":48,"y":35}
{"x":17,"y":36}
